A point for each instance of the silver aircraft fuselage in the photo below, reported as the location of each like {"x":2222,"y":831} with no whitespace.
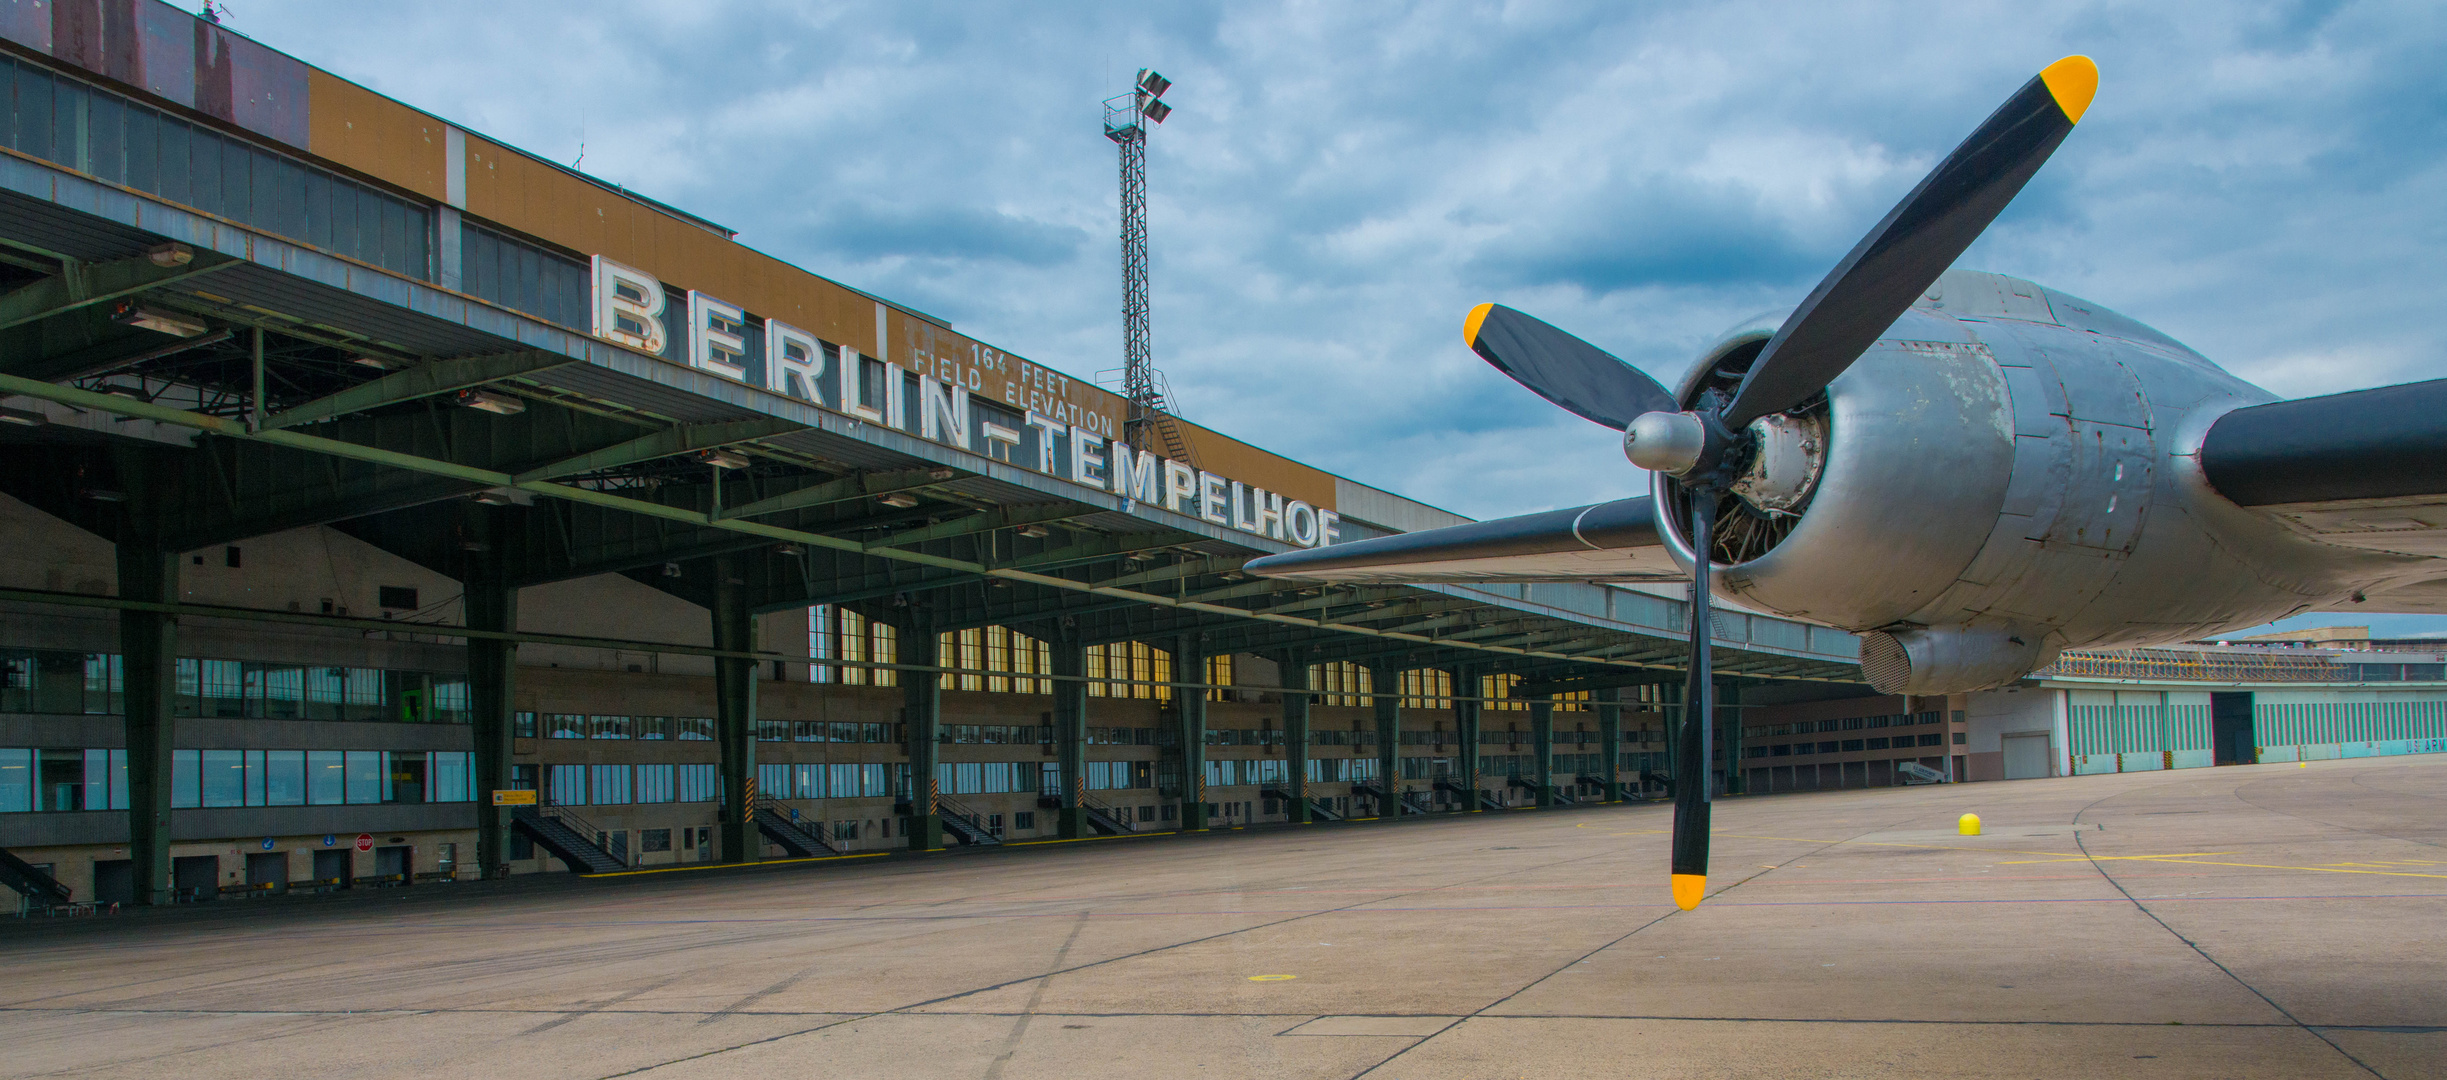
{"x":2011,"y":472}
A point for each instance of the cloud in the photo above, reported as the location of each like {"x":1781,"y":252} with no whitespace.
{"x":2264,"y":180}
{"x":865,"y":231}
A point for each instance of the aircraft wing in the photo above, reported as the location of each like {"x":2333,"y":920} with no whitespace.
{"x":2365,"y":469}
{"x":1613,"y":541}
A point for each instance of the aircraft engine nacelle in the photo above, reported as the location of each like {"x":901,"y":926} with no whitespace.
{"x":1978,"y":493}
{"x":1861,"y":510}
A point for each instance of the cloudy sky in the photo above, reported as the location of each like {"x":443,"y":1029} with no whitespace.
{"x":2265,"y":181}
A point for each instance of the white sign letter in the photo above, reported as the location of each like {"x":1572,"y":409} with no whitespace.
{"x":1180,"y":486}
{"x":1269,"y":507}
{"x":850,"y":380}
{"x":1087,"y":464}
{"x":1211,"y":497}
{"x":1135,"y":476}
{"x":1300,"y":519}
{"x":628,"y":307}
{"x":943,"y":411}
{"x":794,"y":361}
{"x":717,"y":337}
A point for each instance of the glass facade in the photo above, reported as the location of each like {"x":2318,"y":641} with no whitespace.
{"x":51,"y":780}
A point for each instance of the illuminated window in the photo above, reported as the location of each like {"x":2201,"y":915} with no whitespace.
{"x":1340,"y":683}
{"x":1497,"y":689}
{"x":1427,"y":688}
{"x":1129,"y":669}
{"x":835,"y":633}
{"x":992,"y":655}
{"x":1219,"y":673}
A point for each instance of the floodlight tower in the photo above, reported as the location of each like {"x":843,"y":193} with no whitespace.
{"x":1127,"y":120}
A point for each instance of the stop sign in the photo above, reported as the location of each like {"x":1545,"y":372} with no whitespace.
{"x":365,"y":841}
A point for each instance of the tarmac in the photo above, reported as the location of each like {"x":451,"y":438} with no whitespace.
{"x":2268,"y":920}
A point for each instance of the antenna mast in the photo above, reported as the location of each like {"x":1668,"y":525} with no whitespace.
{"x":1127,"y":120}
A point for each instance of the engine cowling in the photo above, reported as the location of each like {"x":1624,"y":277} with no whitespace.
{"x":1860,"y":509}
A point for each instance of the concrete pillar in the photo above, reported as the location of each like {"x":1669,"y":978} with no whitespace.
{"x":1465,"y":728}
{"x":1542,"y":736}
{"x":492,"y":677}
{"x":1294,"y":663}
{"x":922,"y":720}
{"x":1610,"y":737}
{"x":1385,"y":681}
{"x":1189,"y":665}
{"x":1728,"y":697}
{"x":735,"y":714}
{"x":1071,"y":733}
{"x":148,"y":642}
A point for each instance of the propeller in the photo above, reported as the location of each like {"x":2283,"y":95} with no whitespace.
{"x":1704,"y":448}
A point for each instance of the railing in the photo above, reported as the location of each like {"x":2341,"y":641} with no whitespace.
{"x":585,"y":829}
{"x":2190,"y":665}
{"x":768,"y":809}
{"x":951,"y":808}
{"x":1120,"y":815}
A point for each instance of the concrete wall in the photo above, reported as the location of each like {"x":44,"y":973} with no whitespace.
{"x":1991,"y":715}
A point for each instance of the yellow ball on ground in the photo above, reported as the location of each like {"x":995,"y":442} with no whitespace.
{"x":1968,"y":824}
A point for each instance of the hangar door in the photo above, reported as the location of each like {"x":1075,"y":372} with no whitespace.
{"x":2026,"y":756}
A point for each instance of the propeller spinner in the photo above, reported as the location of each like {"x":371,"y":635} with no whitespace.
{"x":1703,"y":447}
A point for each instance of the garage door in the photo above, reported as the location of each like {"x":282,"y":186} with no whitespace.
{"x":2026,"y":757}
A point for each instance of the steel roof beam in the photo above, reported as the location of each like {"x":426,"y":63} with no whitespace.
{"x":1008,"y":517}
{"x":422,"y":381}
{"x":670,"y":442}
{"x":493,"y":478}
{"x":83,"y":284}
{"x":845,"y":489}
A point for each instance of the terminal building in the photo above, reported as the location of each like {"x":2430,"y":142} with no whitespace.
{"x":386,"y":505}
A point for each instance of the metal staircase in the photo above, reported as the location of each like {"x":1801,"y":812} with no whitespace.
{"x":1416,"y":803}
{"x":564,"y":834}
{"x":1469,"y":795}
{"x":1319,"y":808}
{"x":965,"y":825}
{"x":1408,"y":803}
{"x":38,"y":887}
{"x":1106,"y":818}
{"x":801,"y":840}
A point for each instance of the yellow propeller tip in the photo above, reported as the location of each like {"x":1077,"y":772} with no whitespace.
{"x":1469,"y":326}
{"x":1688,"y":888}
{"x":2072,"y":81}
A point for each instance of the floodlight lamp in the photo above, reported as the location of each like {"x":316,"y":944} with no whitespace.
{"x":1154,"y":84}
{"x":130,"y":313}
{"x":22,"y":417}
{"x":1157,"y":110}
{"x":899,"y":499}
{"x":1035,"y":532}
{"x":724,"y":459}
{"x":495,"y":403}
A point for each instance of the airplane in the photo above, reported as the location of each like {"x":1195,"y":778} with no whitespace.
{"x":1970,"y":471}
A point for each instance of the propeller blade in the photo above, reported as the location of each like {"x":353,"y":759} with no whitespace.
{"x":1919,"y":239}
{"x":1562,"y":368}
{"x":1691,"y":795}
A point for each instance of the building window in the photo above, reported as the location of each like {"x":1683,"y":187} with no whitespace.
{"x":696,"y":782}
{"x":610,"y":784}
{"x":653,"y":840}
{"x":654,"y":785}
{"x":1129,"y":669}
{"x":837,"y":633}
{"x":1427,"y":688}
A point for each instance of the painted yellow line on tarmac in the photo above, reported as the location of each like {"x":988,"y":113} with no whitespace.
{"x":2321,"y":869}
{"x":2111,"y":858}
